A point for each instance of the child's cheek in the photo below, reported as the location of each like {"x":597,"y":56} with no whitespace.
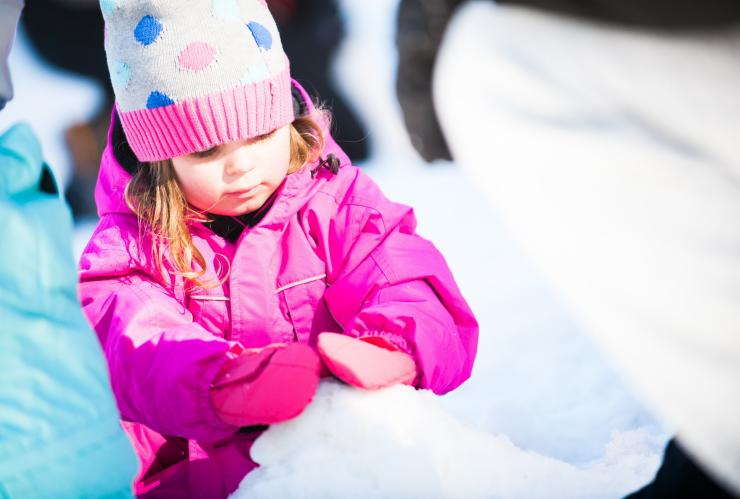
{"x":203,"y":192}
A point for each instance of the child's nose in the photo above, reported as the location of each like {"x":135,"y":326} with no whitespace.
{"x":239,"y":163}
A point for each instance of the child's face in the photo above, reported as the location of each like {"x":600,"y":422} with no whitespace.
{"x":235,"y":178}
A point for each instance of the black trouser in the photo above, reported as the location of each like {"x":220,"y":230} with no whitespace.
{"x":680,"y":478}
{"x":420,"y":27}
{"x":310,"y":34}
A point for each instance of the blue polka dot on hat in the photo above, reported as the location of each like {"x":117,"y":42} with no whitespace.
{"x":147,"y":30}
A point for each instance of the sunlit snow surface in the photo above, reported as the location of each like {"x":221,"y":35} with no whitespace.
{"x":400,"y":443}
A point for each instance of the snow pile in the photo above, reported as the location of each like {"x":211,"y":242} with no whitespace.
{"x":399,"y":443}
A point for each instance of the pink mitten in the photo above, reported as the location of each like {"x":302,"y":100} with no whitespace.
{"x":266,"y":386}
{"x":370,"y":362}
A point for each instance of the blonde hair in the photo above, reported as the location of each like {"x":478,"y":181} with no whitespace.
{"x":154,"y":194}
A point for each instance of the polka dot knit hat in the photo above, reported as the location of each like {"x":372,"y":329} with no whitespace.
{"x":192,"y":74}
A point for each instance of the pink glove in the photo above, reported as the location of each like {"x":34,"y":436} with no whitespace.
{"x":368,"y":362}
{"x":266,"y":386}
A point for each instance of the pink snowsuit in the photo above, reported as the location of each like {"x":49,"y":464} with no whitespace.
{"x":331,"y":254}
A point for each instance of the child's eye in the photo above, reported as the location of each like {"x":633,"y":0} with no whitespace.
{"x":207,"y":153}
{"x":263,"y":136}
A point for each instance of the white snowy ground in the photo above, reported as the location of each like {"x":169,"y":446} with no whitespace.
{"x":544,"y":414}
{"x":400,"y":443}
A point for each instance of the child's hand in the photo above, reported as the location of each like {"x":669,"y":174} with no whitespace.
{"x":266,"y":386}
{"x":370,"y":362}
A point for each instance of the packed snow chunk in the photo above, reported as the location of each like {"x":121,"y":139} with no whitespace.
{"x":400,"y":443}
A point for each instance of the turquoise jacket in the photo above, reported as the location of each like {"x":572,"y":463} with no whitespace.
{"x":59,"y":430}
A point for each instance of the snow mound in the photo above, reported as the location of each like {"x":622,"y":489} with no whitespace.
{"x":400,"y":443}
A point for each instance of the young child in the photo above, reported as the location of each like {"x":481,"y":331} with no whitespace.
{"x":238,"y":251}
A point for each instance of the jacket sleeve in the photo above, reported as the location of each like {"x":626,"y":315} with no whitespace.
{"x":385,"y":280}
{"x":161,"y":362}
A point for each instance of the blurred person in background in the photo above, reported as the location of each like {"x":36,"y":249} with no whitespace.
{"x":311,"y":32}
{"x":420,"y":26}
{"x":59,"y":430}
{"x":606,"y":133}
{"x":69,"y":34}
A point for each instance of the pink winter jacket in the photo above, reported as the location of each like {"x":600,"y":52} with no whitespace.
{"x":331,"y":254}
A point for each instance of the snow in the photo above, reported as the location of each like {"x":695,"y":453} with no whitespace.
{"x":400,"y":443}
{"x":544,"y":414}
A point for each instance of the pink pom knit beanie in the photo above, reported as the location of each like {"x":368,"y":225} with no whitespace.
{"x":192,"y":74}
